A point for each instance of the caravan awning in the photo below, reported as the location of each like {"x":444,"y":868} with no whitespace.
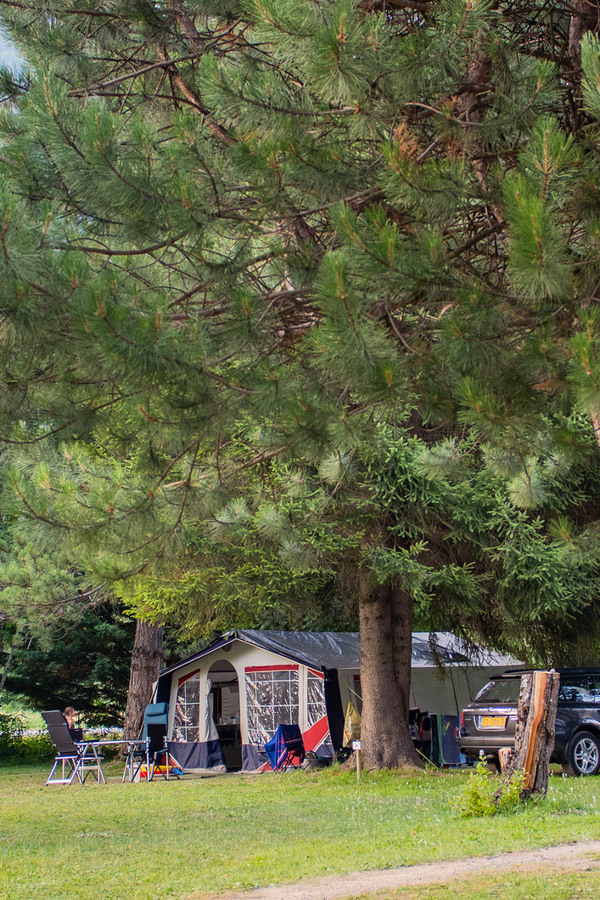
{"x":341,"y":650}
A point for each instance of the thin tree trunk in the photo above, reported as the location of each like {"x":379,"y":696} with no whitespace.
{"x":595,"y":416}
{"x":146,"y":659}
{"x":7,"y":665}
{"x":584,"y":18}
{"x":385,"y":662}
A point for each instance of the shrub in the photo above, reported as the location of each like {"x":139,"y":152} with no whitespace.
{"x":33,"y":748}
{"x":15,"y":746}
{"x":484,"y":797}
{"x":11,"y":728}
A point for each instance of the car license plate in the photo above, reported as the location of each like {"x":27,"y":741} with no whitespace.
{"x":492,"y":722}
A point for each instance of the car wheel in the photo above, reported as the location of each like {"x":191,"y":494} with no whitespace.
{"x":584,"y":755}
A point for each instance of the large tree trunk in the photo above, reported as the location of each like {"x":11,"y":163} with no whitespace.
{"x":146,"y":659}
{"x":385,"y":660}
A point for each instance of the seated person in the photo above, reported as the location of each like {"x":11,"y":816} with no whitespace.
{"x":69,"y":717}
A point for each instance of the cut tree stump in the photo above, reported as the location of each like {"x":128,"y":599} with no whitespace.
{"x":534,"y":737}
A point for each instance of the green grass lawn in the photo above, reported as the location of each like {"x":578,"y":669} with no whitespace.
{"x":555,"y":884}
{"x":206,"y":836}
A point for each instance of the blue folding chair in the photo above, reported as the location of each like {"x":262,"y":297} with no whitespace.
{"x":286,"y":748}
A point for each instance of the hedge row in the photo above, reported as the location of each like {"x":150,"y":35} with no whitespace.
{"x":15,"y":746}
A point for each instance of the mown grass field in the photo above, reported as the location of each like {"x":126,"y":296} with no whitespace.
{"x":546,"y":885}
{"x":212,"y":835}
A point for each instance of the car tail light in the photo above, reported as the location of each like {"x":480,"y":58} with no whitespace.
{"x":462,"y":719}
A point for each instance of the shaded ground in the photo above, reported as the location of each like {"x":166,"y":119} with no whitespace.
{"x":580,"y":855}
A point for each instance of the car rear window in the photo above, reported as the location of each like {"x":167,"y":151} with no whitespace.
{"x":503,"y":690}
{"x":585,"y":689}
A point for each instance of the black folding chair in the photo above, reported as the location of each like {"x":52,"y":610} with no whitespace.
{"x":76,"y":759}
{"x":136,"y":756}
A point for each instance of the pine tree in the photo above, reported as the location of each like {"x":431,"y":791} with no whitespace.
{"x":239,"y":233}
{"x":81,"y":661}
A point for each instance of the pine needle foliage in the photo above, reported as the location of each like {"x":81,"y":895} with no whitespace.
{"x":250,"y":235}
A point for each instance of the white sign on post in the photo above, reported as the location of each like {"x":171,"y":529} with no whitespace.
{"x":356,"y":745}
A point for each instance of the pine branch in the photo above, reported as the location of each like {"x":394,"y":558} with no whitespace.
{"x":101,"y":86}
{"x":217,"y":129}
{"x":105,"y":251}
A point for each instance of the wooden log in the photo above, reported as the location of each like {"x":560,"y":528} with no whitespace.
{"x":534,"y":737}
{"x":505,"y":755}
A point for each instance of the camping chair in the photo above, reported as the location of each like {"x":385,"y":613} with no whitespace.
{"x":76,"y":759}
{"x":156,"y":718}
{"x":286,"y":748}
{"x":135,"y":757}
{"x":153,"y":752}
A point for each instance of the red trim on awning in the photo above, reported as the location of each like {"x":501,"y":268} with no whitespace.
{"x":185,"y":678}
{"x":318,"y":674}
{"x":271,"y":669}
{"x":316,"y":734}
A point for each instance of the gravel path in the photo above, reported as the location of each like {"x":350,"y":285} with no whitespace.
{"x":581,"y":855}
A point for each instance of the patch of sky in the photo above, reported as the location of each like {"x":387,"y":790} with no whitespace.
{"x":9,"y":56}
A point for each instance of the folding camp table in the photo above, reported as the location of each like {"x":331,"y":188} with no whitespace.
{"x":78,"y":759}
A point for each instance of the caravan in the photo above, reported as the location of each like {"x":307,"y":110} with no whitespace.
{"x":226,"y":701}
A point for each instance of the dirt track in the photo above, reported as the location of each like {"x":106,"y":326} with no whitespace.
{"x":584,"y":854}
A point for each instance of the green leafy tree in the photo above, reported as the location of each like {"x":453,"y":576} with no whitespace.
{"x":244,"y":583}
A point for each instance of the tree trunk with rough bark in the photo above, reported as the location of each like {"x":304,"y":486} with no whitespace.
{"x":146,"y":659}
{"x":385,"y":654}
{"x":534,"y":737}
{"x":584,"y":18}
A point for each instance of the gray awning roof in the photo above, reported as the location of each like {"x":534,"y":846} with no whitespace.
{"x":341,"y":650}
{"x":319,"y":649}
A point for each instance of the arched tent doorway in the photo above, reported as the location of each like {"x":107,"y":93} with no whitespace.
{"x":224,"y":705}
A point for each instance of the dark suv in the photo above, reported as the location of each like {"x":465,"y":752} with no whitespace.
{"x":488,"y":722}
